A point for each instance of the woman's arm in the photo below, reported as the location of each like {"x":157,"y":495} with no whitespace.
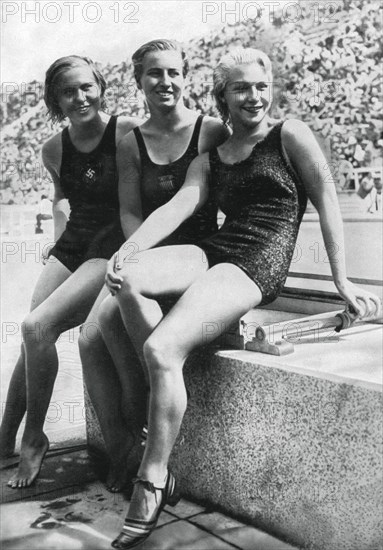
{"x":310,"y":164}
{"x":51,"y":155}
{"x":129,"y":188}
{"x":163,"y":221}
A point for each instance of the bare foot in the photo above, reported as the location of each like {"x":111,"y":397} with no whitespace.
{"x":31,"y":458}
{"x":123,"y":466}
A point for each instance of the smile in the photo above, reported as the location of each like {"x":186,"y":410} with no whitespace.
{"x":253,"y":110}
{"x":165,"y":94}
{"x":83,"y":109}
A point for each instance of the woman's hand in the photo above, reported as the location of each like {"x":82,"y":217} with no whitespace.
{"x":366,"y":304}
{"x":112,"y":280}
{"x":45,"y":253}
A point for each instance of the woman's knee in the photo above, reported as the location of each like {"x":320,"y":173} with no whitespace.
{"x":37,"y":332}
{"x":108,"y":314}
{"x":89,"y":340}
{"x":161,"y":355}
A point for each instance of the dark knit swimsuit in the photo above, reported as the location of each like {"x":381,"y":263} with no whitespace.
{"x":264,"y":202}
{"x":160,"y":182}
{"x":89,"y":182}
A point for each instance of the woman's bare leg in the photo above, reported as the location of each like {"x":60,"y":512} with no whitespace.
{"x":66,"y":307}
{"x":116,"y":387}
{"x":220,"y":296}
{"x":160,"y":271}
{"x":52,"y":276}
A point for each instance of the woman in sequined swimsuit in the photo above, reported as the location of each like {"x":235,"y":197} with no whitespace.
{"x":152,"y":164}
{"x":260,"y":177}
{"x":82,"y":162}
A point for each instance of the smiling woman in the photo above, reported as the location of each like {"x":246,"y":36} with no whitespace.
{"x":253,"y":178}
{"x":82,"y":162}
{"x":69,"y":90}
{"x":152,"y":165}
{"x":244,"y":87}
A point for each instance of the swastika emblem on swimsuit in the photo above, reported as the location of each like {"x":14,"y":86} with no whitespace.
{"x":90,"y":174}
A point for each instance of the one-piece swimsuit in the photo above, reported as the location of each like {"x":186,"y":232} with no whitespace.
{"x":160,"y":182}
{"x":89,"y":181}
{"x":264,"y":202}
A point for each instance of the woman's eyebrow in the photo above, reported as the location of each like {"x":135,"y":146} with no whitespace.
{"x":257,"y":82}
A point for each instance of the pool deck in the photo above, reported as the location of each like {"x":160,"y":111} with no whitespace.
{"x":68,"y":508}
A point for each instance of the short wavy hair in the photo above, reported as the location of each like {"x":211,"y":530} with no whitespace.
{"x":239,"y":56}
{"x":159,"y":45}
{"x":52,"y":82}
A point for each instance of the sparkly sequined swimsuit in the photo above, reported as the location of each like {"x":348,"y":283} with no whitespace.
{"x":89,"y":181}
{"x":264,"y":202}
{"x":160,"y":182}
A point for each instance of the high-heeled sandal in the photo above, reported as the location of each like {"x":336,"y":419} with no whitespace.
{"x":136,"y":531}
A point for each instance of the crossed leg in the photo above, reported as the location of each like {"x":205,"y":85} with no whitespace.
{"x":219,"y":295}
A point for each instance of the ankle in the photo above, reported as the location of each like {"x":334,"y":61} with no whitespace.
{"x":34,"y":439}
{"x":157,"y":477}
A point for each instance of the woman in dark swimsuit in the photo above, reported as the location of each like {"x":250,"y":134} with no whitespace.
{"x":152,"y":162}
{"x":254,"y":179}
{"x":82,"y":162}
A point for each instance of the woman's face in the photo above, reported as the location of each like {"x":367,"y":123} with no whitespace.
{"x":248,"y":94}
{"x":162,"y":80}
{"x":79,"y":95}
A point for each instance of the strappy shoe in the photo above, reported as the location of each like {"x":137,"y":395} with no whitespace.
{"x":136,"y":531}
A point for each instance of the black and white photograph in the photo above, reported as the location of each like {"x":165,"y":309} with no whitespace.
{"x":191,"y":274}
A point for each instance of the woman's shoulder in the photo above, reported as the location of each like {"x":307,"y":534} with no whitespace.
{"x":52,"y":151}
{"x":213,"y":133}
{"x":214,"y":124}
{"x":294,"y":130}
{"x":299,"y":142}
{"x":127,"y":149}
{"x":125,"y":124}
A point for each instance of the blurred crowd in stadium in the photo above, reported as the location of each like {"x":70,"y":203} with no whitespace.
{"x":328,"y":74}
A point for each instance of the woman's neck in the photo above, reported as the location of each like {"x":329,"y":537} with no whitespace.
{"x":251,"y":135}
{"x":167,"y":121}
{"x":88,"y":130}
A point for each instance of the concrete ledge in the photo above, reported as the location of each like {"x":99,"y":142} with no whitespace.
{"x":294,"y":451}
{"x":298,"y":456}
